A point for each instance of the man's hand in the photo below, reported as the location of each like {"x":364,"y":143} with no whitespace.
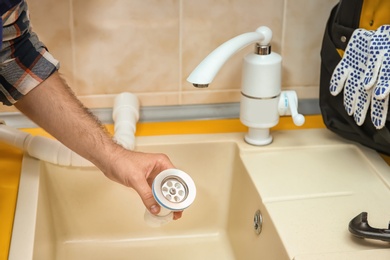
{"x":138,"y":170}
{"x":54,"y":107}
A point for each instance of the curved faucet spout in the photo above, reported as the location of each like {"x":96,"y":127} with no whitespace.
{"x":205,"y":72}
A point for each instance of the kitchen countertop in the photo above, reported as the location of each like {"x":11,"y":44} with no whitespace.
{"x":11,"y":158}
{"x":10,"y":166}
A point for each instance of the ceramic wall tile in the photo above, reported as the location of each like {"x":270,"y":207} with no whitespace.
{"x":145,"y":99}
{"x":305,"y":22}
{"x":126,"y":46}
{"x":149,"y":47}
{"x":51,"y":20}
{"x":203,"y":96}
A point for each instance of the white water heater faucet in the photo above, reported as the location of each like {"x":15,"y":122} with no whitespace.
{"x":262,"y":101}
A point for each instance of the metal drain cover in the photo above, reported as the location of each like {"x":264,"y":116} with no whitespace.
{"x":174,"y":189}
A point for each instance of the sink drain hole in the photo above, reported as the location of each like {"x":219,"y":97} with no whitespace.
{"x":257,"y":222}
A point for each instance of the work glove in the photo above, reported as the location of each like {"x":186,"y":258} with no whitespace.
{"x":349,"y":73}
{"x":364,"y":73}
{"x":377,"y":75}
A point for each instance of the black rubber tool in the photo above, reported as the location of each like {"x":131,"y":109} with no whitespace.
{"x":359,"y":227}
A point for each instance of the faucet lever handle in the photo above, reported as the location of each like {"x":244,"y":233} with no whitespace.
{"x":288,"y":105}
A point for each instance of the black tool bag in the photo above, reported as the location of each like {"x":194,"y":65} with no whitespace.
{"x":343,"y":20}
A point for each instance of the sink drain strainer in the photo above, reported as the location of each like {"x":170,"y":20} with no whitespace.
{"x":174,"y":189}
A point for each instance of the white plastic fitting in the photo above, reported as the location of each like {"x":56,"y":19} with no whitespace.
{"x":125,"y":115}
{"x":174,"y":190}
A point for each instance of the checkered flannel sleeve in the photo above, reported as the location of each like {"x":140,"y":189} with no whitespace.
{"x":24,"y":61}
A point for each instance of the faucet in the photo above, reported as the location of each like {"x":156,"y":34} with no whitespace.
{"x":262,"y":101}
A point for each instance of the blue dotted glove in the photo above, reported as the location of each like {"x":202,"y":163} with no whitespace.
{"x":378,"y":75}
{"x":349,"y":73}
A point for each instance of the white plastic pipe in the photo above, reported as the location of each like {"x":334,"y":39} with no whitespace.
{"x":42,"y":148}
{"x":125,"y":114}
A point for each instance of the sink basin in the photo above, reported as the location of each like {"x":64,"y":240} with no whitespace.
{"x":307,"y":184}
{"x":80,"y":214}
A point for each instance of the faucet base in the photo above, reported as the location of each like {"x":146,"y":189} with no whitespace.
{"x":258,"y":136}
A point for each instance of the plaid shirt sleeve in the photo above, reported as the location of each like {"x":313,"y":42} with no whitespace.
{"x":24,"y":60}
{"x":5,"y":6}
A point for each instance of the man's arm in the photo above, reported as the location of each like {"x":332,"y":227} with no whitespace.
{"x":53,"y":106}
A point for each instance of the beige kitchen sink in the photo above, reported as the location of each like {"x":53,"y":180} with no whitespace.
{"x":307,"y":184}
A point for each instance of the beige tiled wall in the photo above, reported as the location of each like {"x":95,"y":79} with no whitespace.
{"x":149,"y":47}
